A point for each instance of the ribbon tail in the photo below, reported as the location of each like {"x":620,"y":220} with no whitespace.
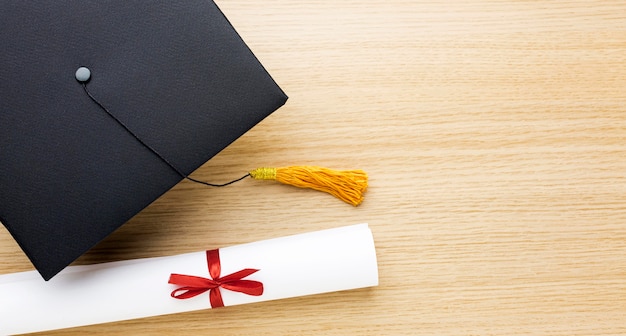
{"x":238,"y":275}
{"x":250,"y":287}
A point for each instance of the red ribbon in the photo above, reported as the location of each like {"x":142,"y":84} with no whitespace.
{"x":195,"y":285}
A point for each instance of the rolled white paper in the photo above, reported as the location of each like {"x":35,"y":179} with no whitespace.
{"x":310,"y":263}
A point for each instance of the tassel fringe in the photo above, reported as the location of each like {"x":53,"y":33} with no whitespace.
{"x":347,"y":185}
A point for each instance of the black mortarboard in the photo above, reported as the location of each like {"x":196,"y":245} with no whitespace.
{"x":177,"y":80}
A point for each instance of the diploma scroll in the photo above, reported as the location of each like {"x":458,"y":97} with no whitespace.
{"x":310,"y":263}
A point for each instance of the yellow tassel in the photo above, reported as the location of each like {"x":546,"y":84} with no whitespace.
{"x":347,"y":185}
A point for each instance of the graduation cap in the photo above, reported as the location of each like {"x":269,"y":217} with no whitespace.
{"x":106,"y":105}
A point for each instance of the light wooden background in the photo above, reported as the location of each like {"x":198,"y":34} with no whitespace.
{"x":494,"y":134}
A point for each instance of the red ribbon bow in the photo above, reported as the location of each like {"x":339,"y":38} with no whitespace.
{"x":195,"y":285}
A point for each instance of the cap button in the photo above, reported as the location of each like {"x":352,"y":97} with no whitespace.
{"x":83,"y":74}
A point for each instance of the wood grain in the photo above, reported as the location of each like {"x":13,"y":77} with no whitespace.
{"x":494,"y":134}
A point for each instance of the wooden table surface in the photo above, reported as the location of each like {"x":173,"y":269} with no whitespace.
{"x":494,"y":135}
